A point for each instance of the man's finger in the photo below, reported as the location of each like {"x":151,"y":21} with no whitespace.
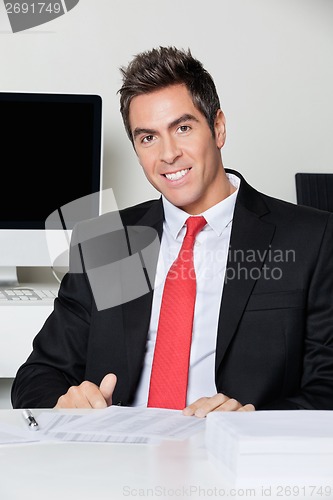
{"x":202,"y":406}
{"x":211,"y":404}
{"x":85,"y":395}
{"x":191,"y":409}
{"x":247,"y":407}
{"x":107,"y":387}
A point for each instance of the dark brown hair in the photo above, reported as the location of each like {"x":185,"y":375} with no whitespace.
{"x":160,"y":67}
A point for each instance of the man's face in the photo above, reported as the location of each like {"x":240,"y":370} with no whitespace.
{"x":176,"y":149}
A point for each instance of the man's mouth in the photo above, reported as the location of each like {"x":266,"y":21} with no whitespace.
{"x":175,"y":176}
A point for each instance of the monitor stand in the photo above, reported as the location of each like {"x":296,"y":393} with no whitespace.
{"x":8,"y":276}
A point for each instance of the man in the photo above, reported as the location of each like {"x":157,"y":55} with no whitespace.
{"x":263,"y":321}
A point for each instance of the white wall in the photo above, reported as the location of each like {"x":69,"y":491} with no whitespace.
{"x":271,"y":61}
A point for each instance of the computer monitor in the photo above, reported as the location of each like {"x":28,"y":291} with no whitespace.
{"x":51,"y":149}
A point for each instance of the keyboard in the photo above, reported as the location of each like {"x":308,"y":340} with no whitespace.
{"x":26,"y":295}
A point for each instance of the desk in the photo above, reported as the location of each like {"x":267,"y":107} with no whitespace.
{"x":79,"y":471}
{"x":19,"y":325}
{"x":107,"y":471}
{"x":20,"y":322}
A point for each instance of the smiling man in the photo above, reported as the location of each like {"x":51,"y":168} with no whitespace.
{"x":178,"y":151}
{"x":240,"y":314}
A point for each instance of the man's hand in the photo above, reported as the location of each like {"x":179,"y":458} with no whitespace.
{"x":219,"y":402}
{"x":89,"y":395}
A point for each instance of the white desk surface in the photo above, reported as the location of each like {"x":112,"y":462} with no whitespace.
{"x":71,"y":471}
{"x":108,"y":471}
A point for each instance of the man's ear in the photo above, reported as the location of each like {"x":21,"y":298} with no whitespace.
{"x":220,"y":129}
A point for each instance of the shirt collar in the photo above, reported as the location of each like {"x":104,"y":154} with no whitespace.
{"x":217,"y":217}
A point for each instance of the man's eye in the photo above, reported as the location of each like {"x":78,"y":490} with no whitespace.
{"x":147,"y":138}
{"x":184,"y":128}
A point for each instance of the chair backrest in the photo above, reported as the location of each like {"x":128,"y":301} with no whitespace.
{"x":315,"y":190}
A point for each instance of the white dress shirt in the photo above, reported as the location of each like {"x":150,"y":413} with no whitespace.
{"x":210,"y":259}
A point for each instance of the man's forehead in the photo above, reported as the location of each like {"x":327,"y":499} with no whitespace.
{"x":165,"y":105}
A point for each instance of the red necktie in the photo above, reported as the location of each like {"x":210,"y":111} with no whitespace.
{"x":169,"y":376}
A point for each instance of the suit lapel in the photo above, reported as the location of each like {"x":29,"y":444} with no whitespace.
{"x":250,"y":237}
{"x":136,"y":313}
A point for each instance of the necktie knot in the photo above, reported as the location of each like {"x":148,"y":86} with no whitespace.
{"x":194,"y":225}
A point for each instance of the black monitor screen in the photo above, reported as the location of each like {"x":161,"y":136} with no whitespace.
{"x":51,"y":154}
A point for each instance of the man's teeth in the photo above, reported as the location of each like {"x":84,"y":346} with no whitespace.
{"x":177,"y":175}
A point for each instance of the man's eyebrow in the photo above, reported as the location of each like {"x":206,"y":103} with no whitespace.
{"x":184,"y":118}
{"x":149,"y":131}
{"x":138,"y":131}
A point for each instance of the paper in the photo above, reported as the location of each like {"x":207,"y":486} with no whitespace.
{"x":112,"y":425}
{"x":10,"y":434}
{"x":120,"y":425}
{"x":269,"y":445}
{"x":277,"y":431}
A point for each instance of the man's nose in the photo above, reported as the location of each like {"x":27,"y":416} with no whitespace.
{"x":170,"y":150}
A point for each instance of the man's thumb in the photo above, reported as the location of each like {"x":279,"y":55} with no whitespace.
{"x":107,"y":387}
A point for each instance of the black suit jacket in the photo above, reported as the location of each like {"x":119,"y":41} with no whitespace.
{"x":275,"y":334}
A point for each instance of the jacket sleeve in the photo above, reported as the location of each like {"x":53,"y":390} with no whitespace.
{"x":58,"y":358}
{"x":316,"y":387}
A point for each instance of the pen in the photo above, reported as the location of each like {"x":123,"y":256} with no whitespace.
{"x":30,"y":419}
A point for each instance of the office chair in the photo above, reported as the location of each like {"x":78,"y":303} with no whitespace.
{"x":315,"y":190}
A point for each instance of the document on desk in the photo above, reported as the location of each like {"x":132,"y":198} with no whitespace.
{"x":267,"y":445}
{"x":118,"y":424}
{"x":10,"y":434}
